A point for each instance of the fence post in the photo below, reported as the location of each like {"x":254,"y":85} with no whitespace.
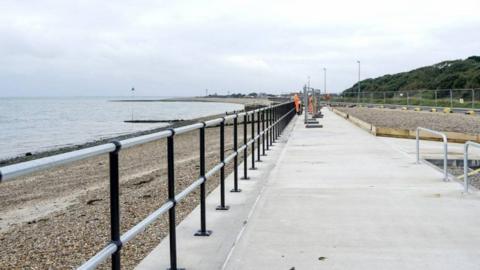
{"x":222,"y":205}
{"x":451,"y":99}
{"x":263,"y":135}
{"x":245,"y":150}
{"x":115,"y":205}
{"x":253,"y":140}
{"x":258,"y":134}
{"x":473,"y":98}
{"x":235,"y":159}
{"x":436,"y":104}
{"x":171,"y":197}
{"x":203,"y":219}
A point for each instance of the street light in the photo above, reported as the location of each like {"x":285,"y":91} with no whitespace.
{"x":358,"y":95}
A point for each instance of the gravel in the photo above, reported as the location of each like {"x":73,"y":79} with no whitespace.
{"x":411,"y":120}
{"x":65,"y":210}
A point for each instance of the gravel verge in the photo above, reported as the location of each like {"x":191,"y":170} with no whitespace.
{"x":411,"y":120}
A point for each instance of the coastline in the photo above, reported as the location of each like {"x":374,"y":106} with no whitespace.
{"x":62,"y":214}
{"x":247,"y":102}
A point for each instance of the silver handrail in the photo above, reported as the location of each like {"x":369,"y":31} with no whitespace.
{"x":19,"y":169}
{"x":12,"y":171}
{"x":445,"y":148}
{"x":465,"y":162}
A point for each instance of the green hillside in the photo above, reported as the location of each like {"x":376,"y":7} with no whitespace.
{"x":456,"y":74}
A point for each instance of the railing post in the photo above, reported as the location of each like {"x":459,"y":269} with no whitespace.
{"x":272,"y":130}
{"x":245,"y":150}
{"x":277,"y":128}
{"x":253,"y":142}
{"x":445,"y":159}
{"x":235,"y":159}
{"x":267,"y":116}
{"x":263,"y":134}
{"x":115,"y":205}
{"x":203,"y":219}
{"x":465,"y":167}
{"x":222,"y":205}
{"x":417,"y":133}
{"x":274,"y":125}
{"x":258,"y":134}
{"x":171,"y":197}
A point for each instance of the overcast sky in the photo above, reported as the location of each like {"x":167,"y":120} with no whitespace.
{"x":180,"y":48}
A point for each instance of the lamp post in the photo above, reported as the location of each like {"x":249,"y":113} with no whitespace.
{"x":358,"y":96}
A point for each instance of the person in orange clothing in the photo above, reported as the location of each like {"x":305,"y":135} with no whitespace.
{"x":310,"y":104}
{"x":296,"y":99}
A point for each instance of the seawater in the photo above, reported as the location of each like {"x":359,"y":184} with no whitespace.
{"x":39,"y":124}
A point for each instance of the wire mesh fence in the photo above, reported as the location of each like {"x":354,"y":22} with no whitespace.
{"x":453,"y":98}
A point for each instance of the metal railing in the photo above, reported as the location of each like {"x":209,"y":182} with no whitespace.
{"x":452,"y":98}
{"x":445,"y":147}
{"x":465,"y":162}
{"x":271,"y":121}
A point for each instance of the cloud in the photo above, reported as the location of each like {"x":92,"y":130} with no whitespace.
{"x":91,"y":47}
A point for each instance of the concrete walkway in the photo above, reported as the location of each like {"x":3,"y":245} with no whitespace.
{"x":337,"y":198}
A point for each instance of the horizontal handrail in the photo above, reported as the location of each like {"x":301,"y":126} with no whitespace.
{"x":111,"y":248}
{"x":465,"y":162}
{"x":15,"y":170}
{"x":19,"y":169}
{"x":270,"y":123}
{"x":445,"y":147}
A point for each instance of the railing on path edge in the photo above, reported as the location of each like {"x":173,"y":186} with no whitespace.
{"x":465,"y":162}
{"x":271,"y":121}
{"x":445,"y":148}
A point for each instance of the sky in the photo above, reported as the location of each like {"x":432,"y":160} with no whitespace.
{"x":181,"y":48}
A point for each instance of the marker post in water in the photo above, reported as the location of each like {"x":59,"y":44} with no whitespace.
{"x":133,"y":97}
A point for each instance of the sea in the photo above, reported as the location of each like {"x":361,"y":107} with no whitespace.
{"x":31,"y":125}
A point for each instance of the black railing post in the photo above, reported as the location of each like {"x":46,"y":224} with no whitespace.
{"x":280,"y":122}
{"x":171,"y":197}
{"x":222,"y":205}
{"x":253,"y":138}
{"x":267,"y":134}
{"x":235,"y":159}
{"x":270,"y":116}
{"x":115,"y":205}
{"x":263,"y":130}
{"x":275,"y":126}
{"x":245,"y":150}
{"x":259,"y":139}
{"x":203,"y":216}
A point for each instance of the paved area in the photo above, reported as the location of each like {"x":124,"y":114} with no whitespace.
{"x":340,"y":198}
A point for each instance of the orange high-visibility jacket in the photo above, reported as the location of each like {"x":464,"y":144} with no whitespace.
{"x":296,"y":99}
{"x":310,"y":104}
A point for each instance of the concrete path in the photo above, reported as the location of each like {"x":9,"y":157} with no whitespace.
{"x":335,"y":198}
{"x":341,"y":198}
